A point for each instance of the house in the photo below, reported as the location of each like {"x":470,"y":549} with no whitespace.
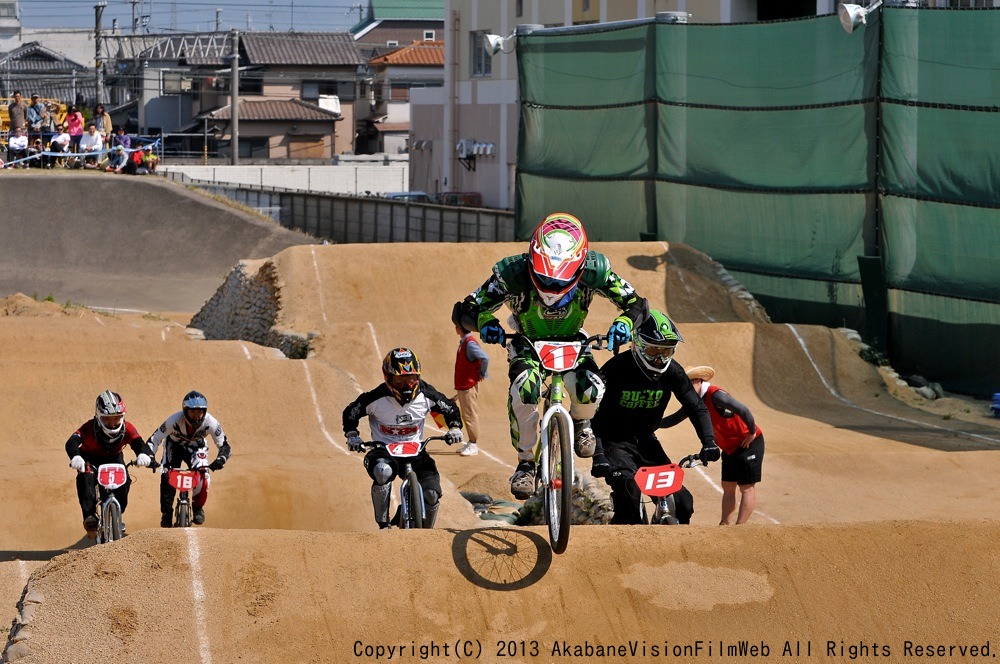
{"x":394,"y":75}
{"x":35,"y":69}
{"x":391,"y":23}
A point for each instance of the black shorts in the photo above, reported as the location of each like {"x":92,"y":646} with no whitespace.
{"x":743,"y":467}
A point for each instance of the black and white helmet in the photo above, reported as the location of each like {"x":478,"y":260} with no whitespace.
{"x":110,"y":414}
{"x":195,"y":407}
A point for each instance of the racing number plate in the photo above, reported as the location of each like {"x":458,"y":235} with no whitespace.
{"x":558,"y":356}
{"x":111,"y":475}
{"x":183,"y":480}
{"x":660,"y":481}
{"x":406,"y":449}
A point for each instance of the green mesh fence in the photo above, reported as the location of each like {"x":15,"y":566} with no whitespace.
{"x":786,"y":151}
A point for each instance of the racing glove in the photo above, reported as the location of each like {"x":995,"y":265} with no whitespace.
{"x":493,"y":333}
{"x":143,"y":460}
{"x":709,"y":452}
{"x":78,"y":464}
{"x":600,"y":467}
{"x":354,"y":442}
{"x":619,"y":333}
{"x":217,"y":464}
{"x":453,"y":436}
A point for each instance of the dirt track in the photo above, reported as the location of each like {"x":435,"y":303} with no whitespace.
{"x":874,"y":525}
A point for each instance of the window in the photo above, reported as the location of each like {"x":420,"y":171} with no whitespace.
{"x":392,"y":42}
{"x":428,"y":35}
{"x":481,"y":61}
{"x":586,"y":5}
{"x":519,"y":8}
{"x":312,"y":90}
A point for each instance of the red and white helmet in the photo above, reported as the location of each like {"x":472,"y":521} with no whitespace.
{"x":557,"y":252}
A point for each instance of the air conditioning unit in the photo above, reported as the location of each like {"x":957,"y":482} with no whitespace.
{"x":465,"y":148}
{"x":185,"y":85}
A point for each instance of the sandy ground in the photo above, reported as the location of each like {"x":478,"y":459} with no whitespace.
{"x":875,"y":526}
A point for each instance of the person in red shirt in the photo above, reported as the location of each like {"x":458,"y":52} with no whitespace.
{"x":740,"y":438}
{"x":102,"y":440}
{"x":471,"y":365}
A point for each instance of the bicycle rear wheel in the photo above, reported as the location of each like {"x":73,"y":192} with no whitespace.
{"x":111,"y":528}
{"x":412,"y":516}
{"x":558,"y":459}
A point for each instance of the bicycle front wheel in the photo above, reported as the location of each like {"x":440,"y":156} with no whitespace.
{"x":183,"y":519}
{"x":412,"y":516}
{"x":558,"y":460}
{"x":112,"y":526}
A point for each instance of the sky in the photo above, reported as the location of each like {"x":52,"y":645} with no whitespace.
{"x":196,"y":15}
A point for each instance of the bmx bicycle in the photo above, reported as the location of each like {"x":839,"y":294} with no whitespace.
{"x":185,"y":482}
{"x":412,"y":510}
{"x":659,"y":484}
{"x":110,"y":476}
{"x":555,"y":445}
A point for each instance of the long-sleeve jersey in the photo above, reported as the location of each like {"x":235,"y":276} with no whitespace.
{"x":510,"y":283}
{"x":633,"y":403}
{"x":391,"y":422}
{"x":731,"y":421}
{"x":90,"y":442}
{"x":176,"y":429}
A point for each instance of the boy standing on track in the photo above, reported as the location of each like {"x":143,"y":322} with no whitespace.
{"x":471,"y":366}
{"x":101,"y":440}
{"x":740,"y":438}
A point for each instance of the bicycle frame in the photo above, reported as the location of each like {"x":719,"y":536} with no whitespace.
{"x":413,"y":511}
{"x":110,"y":476}
{"x":185,"y":482}
{"x":659,"y":484}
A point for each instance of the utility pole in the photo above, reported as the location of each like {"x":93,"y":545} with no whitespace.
{"x":218,"y":18}
{"x":98,"y":57}
{"x":135,"y":23}
{"x":234,"y":102}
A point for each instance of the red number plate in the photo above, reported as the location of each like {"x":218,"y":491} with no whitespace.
{"x":407,"y":449}
{"x":111,"y":475}
{"x":660,"y":481}
{"x":183,"y":480}
{"x":558,"y":356}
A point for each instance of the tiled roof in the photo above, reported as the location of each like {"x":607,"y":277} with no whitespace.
{"x":274,"y":109}
{"x":33,"y":57}
{"x":300,"y":48}
{"x":418,"y":9}
{"x":417,"y":53}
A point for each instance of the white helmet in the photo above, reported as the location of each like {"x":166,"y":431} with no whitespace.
{"x":110,"y":414}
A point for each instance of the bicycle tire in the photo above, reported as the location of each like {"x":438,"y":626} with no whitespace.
{"x":413,"y":496}
{"x":112,"y":526}
{"x":183,"y":515}
{"x":559,"y":488}
{"x":643,"y":513}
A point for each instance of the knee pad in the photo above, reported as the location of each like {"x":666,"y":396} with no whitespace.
{"x":431,"y":497}
{"x":526,"y":387}
{"x":382,"y":472}
{"x":380,"y":502}
{"x":586,"y":389}
{"x":430,"y":510}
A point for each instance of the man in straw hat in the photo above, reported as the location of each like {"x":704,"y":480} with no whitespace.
{"x":638,"y":386}
{"x":740,"y":438}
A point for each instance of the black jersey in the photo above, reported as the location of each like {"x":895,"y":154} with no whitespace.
{"x":633,"y":404}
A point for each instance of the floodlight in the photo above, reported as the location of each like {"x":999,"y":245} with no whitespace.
{"x":851,"y":16}
{"x":496,"y":44}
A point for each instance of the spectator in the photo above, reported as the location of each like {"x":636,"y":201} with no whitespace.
{"x":17,"y":110}
{"x":119,"y":159}
{"x":91,"y":144}
{"x":102,"y":120}
{"x":149,"y":160}
{"x":59,"y":143}
{"x":36,"y":119}
{"x":74,"y":126}
{"x":35,"y":154}
{"x":17,"y":146}
{"x":122,"y":139}
{"x":471,"y":365}
{"x":740,"y":438}
{"x":134,"y":165}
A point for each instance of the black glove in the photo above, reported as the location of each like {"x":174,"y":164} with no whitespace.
{"x":354,"y":442}
{"x":217,"y":464}
{"x":600,"y":467}
{"x":709,"y":452}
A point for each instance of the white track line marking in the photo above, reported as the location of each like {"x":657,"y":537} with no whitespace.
{"x":371,"y":330}
{"x":198,"y":591}
{"x":846,"y":401}
{"x":246,"y":351}
{"x":99,"y":321}
{"x":319,"y":285}
{"x":319,"y":413}
{"x":163,"y":335}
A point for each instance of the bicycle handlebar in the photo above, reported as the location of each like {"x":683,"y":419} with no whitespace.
{"x":597,"y":341}
{"x":371,"y":444}
{"x":691,"y":460}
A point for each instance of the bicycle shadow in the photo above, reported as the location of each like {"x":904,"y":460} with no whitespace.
{"x":500,"y":558}
{"x":10,"y":555}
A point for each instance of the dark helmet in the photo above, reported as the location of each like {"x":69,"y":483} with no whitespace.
{"x":401,"y":370}
{"x":654,"y":342}
{"x":110,"y":414}
{"x":195,"y":407}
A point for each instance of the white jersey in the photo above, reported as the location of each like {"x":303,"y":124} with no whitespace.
{"x":176,"y":430}
{"x":392,"y":422}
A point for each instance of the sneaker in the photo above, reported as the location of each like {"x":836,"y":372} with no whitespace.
{"x":522,"y":482}
{"x":199,"y":517}
{"x":383,"y":526}
{"x":166,"y":521}
{"x":585,"y":442}
{"x":469,"y":449}
{"x":90,"y":525}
